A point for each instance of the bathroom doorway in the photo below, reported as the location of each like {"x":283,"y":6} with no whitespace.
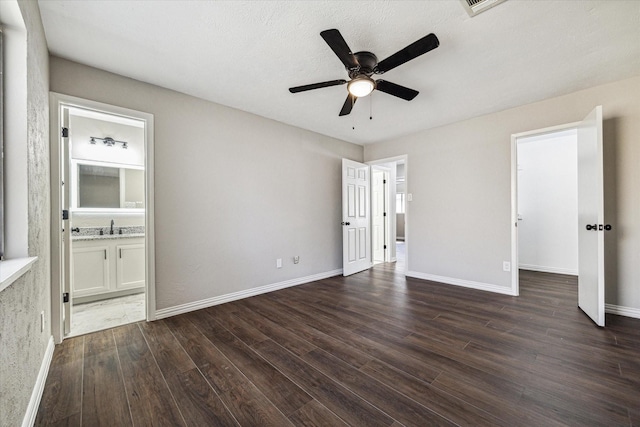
{"x":103,"y":235}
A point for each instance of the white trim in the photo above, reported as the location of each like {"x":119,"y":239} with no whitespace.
{"x":209,"y":302}
{"x":32,"y":409}
{"x":622,"y":311}
{"x":461,"y":282}
{"x":551,"y":129}
{"x":12,"y":269}
{"x":545,"y":269}
{"x":515,"y":274}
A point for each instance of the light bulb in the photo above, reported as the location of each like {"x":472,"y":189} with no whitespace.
{"x":361,"y":86}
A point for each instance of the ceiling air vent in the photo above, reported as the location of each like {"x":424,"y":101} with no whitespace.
{"x":474,"y":7}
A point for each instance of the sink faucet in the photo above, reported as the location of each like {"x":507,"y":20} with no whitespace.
{"x":111,"y":231}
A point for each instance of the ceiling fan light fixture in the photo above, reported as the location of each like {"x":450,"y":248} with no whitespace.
{"x":361,"y":86}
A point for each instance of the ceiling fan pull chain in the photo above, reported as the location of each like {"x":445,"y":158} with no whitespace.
{"x":371,"y":107}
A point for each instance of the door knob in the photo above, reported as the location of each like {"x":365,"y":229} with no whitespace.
{"x":346,"y":223}
{"x":592,"y":227}
{"x":608,"y":227}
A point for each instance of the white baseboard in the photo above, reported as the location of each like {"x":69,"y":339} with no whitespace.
{"x":622,"y":311}
{"x":461,"y":282}
{"x":38,"y":388}
{"x":209,"y":302}
{"x":544,"y":269}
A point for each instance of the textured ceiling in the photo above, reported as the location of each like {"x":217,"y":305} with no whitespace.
{"x":246,"y":54}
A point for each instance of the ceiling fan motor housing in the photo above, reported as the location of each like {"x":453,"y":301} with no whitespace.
{"x":367,"y":61}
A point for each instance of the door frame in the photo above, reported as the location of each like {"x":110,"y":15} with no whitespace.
{"x":515,"y":274}
{"x":57,"y":102}
{"x":404,"y":158}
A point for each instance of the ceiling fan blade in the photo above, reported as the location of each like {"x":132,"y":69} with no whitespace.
{"x":336,"y":42}
{"x":348,"y":105}
{"x":396,"y":90}
{"x":415,"y":49}
{"x":316,"y":86}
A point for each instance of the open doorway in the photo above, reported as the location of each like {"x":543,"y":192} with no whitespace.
{"x":102,"y":210}
{"x":391,"y":186}
{"x":544,"y":206}
{"x":590,"y":222}
{"x":548,"y":202}
{"x":380,"y":215}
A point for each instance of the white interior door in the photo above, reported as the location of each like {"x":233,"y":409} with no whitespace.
{"x":591,"y":217}
{"x":356,"y":238}
{"x":378,"y":215}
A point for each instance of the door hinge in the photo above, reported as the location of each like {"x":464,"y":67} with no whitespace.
{"x":65,"y":214}
{"x":384,"y":214}
{"x":384,"y":181}
{"x":65,"y":132}
{"x":65,"y":297}
{"x":385,"y":246}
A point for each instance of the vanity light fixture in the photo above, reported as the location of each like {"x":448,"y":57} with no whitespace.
{"x":108,"y":141}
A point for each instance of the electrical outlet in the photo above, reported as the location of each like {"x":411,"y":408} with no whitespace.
{"x":279,"y":263}
{"x":296,"y":259}
{"x":42,"y":321}
{"x":506,"y":266}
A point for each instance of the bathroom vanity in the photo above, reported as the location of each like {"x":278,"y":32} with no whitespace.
{"x":107,"y":266}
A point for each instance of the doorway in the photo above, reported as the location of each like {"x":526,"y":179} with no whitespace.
{"x":587,"y":231}
{"x":548,"y":202}
{"x":395,"y":197}
{"x":102,"y":210}
{"x":380,"y":215}
{"x":544,"y":201}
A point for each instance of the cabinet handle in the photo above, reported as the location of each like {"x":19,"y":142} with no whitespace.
{"x":120,"y":252}
{"x":105,"y":254}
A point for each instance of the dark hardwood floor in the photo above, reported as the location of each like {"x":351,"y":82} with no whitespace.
{"x":367,"y":350}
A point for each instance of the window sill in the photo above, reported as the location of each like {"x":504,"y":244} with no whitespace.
{"x":12,"y":269}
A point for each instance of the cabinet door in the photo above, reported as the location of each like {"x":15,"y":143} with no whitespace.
{"x":130,"y":270}
{"x":90,"y":270}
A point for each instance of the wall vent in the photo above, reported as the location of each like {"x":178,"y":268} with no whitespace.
{"x":474,"y":7}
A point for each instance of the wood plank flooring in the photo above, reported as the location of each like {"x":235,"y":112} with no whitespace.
{"x":373,"y":349}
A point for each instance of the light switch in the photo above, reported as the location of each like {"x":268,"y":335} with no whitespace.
{"x":279,"y":263}
{"x":409,"y":197}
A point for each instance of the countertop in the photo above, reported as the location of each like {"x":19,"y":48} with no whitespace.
{"x":76,"y":237}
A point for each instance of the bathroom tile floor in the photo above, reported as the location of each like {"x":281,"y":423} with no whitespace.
{"x":109,"y":313}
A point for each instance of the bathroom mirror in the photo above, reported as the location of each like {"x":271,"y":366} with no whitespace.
{"x":107,"y":186}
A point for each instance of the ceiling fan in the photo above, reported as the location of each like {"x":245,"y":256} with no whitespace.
{"x":362,"y":65}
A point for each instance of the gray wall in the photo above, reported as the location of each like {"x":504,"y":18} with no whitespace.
{"x":233,"y":191}
{"x":22,"y":345}
{"x":459,"y":174}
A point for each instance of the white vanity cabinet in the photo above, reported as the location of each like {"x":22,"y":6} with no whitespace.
{"x":90,"y":268}
{"x":130,"y":266}
{"x":107,"y":267}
